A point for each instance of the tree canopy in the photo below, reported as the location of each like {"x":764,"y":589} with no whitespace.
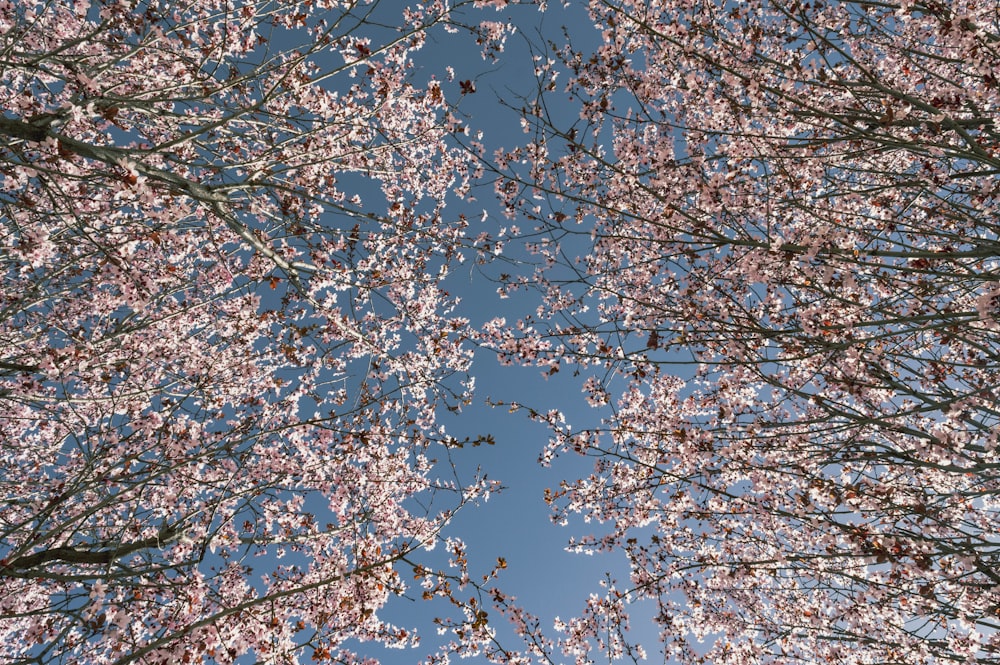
{"x":787,"y":298}
{"x":761,"y":236}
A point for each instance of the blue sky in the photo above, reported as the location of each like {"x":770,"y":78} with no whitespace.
{"x":515,"y":524}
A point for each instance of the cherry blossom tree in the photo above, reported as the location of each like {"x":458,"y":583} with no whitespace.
{"x":225,"y":341}
{"x":768,"y":245}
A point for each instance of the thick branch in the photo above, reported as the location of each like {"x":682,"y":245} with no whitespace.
{"x":9,"y":366}
{"x":102,"y":555}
